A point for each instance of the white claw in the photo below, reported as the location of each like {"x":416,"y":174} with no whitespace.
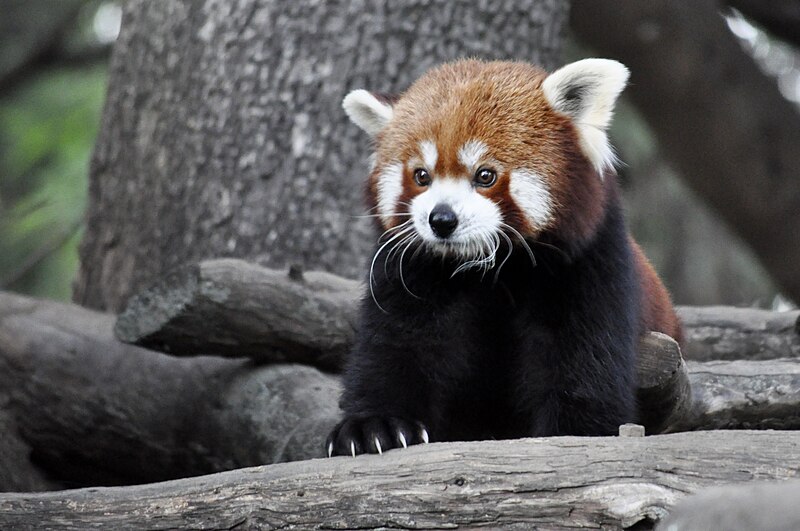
{"x":353,"y":448}
{"x":378,"y":446}
{"x":402,"y":439}
{"x":330,"y":449}
{"x":425,"y":438}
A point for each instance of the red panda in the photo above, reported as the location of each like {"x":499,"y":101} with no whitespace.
{"x":505,"y":295}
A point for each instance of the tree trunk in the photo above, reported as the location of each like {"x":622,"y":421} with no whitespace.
{"x":554,"y":483}
{"x":718,"y":118}
{"x":223,"y":133}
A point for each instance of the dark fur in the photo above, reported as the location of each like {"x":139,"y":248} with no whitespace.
{"x":542,"y":351}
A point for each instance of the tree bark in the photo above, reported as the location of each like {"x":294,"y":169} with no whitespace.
{"x":743,"y":395}
{"x":550,"y":483}
{"x":232,"y":308}
{"x":721,"y":121}
{"x":96,"y":411}
{"x":17,"y":471}
{"x":727,"y":333}
{"x":760,"y":505}
{"x":223,"y":133}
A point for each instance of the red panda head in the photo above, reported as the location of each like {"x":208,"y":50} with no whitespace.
{"x":476,"y":151}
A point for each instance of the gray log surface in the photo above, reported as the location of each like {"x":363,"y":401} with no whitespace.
{"x":744,"y":394}
{"x":223,"y":133}
{"x":102,"y":412}
{"x":233,"y":308}
{"x":126,"y":414}
{"x":550,"y":483}
{"x":760,"y":506}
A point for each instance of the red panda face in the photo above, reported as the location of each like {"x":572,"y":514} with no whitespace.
{"x":475,"y":154}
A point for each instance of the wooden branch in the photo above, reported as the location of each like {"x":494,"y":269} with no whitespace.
{"x":233,"y":308}
{"x":664,"y":395}
{"x":744,"y":394}
{"x":759,"y":505}
{"x":153,"y":417}
{"x":17,"y":472}
{"x":96,"y":411}
{"x":726,"y":333}
{"x":550,"y":483}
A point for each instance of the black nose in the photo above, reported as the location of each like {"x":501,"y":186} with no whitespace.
{"x":443,"y":220}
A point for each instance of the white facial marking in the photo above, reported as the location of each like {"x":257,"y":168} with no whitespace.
{"x":479,"y":219}
{"x":532,"y":196}
{"x":587,"y":91}
{"x":430,"y":155}
{"x":367,"y":112}
{"x":390,"y":187}
{"x":471,"y":154}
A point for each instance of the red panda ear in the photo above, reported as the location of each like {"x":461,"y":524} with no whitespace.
{"x":586,"y":91}
{"x":370,"y":112}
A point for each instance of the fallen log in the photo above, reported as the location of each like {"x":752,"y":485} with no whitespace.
{"x":743,"y":394}
{"x":97,"y":411}
{"x":727,"y":333}
{"x":120,"y":414}
{"x":230,"y":307}
{"x":550,"y":483}
{"x":753,"y":506}
{"x":17,"y":472}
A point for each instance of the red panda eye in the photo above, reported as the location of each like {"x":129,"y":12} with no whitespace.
{"x":485,"y":177}
{"x":422,"y":177}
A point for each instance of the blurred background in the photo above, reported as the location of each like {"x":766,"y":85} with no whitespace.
{"x":53,"y":65}
{"x":54,"y":56}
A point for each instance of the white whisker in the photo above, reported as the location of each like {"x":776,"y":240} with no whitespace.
{"x":402,"y":279}
{"x":508,"y":255}
{"x":374,"y":258}
{"x":523,"y":242}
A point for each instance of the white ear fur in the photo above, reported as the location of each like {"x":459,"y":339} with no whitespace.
{"x":367,"y":112}
{"x":586,"y":91}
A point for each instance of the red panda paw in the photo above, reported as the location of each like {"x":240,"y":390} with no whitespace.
{"x":373,"y":434}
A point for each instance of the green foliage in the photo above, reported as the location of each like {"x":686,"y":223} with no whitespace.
{"x":47,"y":130}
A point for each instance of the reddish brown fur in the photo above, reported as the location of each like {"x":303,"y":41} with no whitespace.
{"x":658,"y":315}
{"x":509,"y":113}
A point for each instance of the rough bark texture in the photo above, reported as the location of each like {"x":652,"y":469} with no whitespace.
{"x":766,"y":506}
{"x":664,"y":395}
{"x":231,"y":308}
{"x":727,"y":333}
{"x":17,"y":471}
{"x":223,"y":133}
{"x":721,"y":121}
{"x":744,"y":395}
{"x":97,"y":411}
{"x":547,"y":483}
{"x":102,"y":412}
